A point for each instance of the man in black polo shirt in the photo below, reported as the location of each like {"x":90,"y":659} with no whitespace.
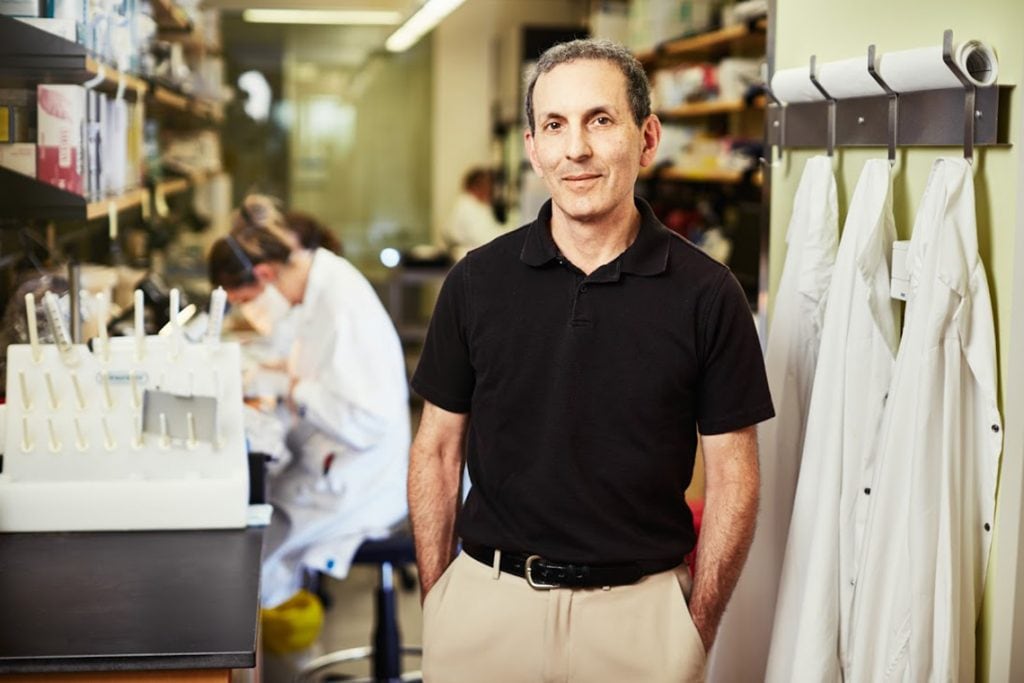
{"x":574,"y":361}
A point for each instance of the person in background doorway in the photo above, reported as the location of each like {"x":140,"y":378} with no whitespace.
{"x":576,"y":359}
{"x":472,"y":222}
{"x":347,"y":393}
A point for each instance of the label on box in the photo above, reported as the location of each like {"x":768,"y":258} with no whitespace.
{"x":5,"y":124}
{"x":19,"y":157}
{"x":61,"y":120}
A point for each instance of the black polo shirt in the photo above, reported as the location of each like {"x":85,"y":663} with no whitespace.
{"x":585,"y":393}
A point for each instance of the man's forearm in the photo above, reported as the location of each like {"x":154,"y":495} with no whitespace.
{"x":727,"y":529}
{"x":433,"y":504}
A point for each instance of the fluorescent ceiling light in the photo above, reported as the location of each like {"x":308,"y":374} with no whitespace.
{"x":421,"y":23}
{"x":316,"y":16}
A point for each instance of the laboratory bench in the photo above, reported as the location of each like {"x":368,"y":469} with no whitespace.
{"x":140,"y":605}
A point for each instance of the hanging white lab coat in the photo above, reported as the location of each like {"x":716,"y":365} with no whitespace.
{"x":920,"y":586}
{"x":790,"y":361}
{"x":347,"y":479}
{"x":858,"y":348}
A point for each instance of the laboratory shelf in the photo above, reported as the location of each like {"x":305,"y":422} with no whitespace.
{"x":703,"y":44}
{"x":171,"y":17}
{"x":710,"y":108}
{"x":29,"y":56}
{"x":164,"y":99}
{"x":26,"y":197}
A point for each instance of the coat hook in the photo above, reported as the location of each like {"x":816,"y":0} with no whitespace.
{"x":970,"y":92}
{"x":893,"y":103}
{"x":779,"y":123}
{"x":831,"y":144}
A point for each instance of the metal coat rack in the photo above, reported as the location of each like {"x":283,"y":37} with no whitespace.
{"x":968,"y":116}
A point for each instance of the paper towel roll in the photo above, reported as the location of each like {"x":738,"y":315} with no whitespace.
{"x":923,"y":68}
{"x":794,"y":85}
{"x":848,"y":78}
{"x":904,"y":71}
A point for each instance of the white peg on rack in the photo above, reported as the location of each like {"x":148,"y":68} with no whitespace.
{"x":218,"y":300}
{"x":55,"y":444}
{"x":54,"y":399}
{"x":191,"y":430}
{"x":136,"y":399}
{"x":33,"y":326}
{"x":216,"y":384}
{"x":101,"y":315}
{"x":26,"y":398}
{"x":80,"y":441}
{"x":26,"y":440}
{"x":191,"y":383}
{"x":106,"y":391}
{"x":165,"y":437}
{"x":60,"y":331}
{"x":140,"y":324}
{"x":175,"y":330}
{"x":108,"y":436}
{"x":79,"y":394}
{"x":137,"y":436}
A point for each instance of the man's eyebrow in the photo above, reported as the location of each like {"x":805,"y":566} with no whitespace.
{"x":598,"y":109}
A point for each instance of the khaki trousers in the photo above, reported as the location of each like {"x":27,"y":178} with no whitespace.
{"x":481,"y":626}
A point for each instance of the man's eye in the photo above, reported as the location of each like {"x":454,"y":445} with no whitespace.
{"x":552,"y":125}
{"x":602,"y":120}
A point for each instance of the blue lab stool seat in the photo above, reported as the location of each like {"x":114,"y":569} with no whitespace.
{"x":387,"y":554}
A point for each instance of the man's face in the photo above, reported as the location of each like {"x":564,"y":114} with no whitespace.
{"x":586,"y":146}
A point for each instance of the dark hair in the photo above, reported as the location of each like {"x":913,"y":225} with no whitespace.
{"x":258,"y":235}
{"x":474,"y":177}
{"x":638,"y":90}
{"x":311,"y":233}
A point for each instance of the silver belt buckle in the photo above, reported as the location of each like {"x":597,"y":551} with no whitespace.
{"x":528,"y":571}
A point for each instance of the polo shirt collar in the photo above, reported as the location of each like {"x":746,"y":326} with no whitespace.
{"x":648,"y":255}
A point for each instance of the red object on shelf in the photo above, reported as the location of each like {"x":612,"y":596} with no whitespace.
{"x":697,"y":510}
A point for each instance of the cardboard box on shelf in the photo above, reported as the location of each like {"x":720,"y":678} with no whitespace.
{"x":20,"y":157}
{"x":21,"y":8}
{"x":61,"y":122}
{"x":17,"y":115}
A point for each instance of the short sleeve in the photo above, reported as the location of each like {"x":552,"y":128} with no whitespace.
{"x":444,"y":375}
{"x":733,"y":391}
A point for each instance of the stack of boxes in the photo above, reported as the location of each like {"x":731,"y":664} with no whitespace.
{"x":75,"y":138}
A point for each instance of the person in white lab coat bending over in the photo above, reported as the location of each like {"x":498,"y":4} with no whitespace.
{"x":348,"y":394}
{"x":472,"y":222}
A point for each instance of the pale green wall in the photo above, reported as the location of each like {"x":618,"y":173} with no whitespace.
{"x":838,"y":29}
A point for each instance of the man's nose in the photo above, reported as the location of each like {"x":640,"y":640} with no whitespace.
{"x":579,"y":144}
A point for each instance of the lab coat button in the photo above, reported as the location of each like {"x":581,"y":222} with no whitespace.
{"x":868,"y":491}
{"x":995,"y":428}
{"x":988,"y":527}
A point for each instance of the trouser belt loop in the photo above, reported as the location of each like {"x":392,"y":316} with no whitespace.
{"x":497,"y":565}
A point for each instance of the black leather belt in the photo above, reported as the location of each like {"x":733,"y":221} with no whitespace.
{"x":544,"y":574}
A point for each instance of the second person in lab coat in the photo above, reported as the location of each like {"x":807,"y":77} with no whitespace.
{"x":348,"y":392}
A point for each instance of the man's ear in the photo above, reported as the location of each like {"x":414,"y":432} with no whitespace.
{"x":531,"y":153}
{"x":264,"y":273}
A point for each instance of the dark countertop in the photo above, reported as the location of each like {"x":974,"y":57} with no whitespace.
{"x":116,"y":601}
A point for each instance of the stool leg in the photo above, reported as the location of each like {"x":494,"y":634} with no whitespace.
{"x":387,"y":651}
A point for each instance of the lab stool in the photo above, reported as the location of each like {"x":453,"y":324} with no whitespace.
{"x":395,"y":551}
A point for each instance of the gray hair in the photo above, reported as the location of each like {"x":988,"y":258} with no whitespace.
{"x":638,"y":90}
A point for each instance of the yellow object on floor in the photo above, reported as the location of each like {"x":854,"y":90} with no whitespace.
{"x":294,"y":624}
